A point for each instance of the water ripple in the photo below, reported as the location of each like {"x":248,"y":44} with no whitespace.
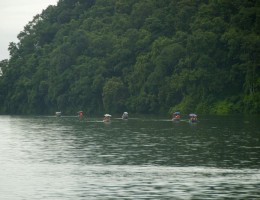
{"x":64,"y":158}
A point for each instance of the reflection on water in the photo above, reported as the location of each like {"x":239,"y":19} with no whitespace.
{"x":139,"y":158}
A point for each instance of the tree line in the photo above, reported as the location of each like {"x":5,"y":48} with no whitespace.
{"x":144,"y":56}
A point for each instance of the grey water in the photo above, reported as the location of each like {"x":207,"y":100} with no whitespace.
{"x":50,"y":158}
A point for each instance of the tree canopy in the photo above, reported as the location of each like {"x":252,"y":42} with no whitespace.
{"x":141,"y":56}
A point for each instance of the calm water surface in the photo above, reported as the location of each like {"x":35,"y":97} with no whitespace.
{"x":50,"y":158}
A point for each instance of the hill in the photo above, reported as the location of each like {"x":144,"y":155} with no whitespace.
{"x":139,"y":56}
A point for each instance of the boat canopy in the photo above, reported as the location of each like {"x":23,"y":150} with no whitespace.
{"x":107,"y":115}
{"x":177,"y":113}
{"x":192,"y":115}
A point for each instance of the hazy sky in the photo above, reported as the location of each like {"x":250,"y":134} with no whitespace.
{"x":14,"y":15}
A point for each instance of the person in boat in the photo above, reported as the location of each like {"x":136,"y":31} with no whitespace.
{"x":58,"y":114}
{"x":176,"y":116}
{"x":193,"y":118}
{"x":125,"y":115}
{"x":80,"y":114}
{"x":107,"y":118}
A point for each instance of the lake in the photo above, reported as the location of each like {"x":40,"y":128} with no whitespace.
{"x":59,"y":158}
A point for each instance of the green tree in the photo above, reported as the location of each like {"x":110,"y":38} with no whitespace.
{"x":114,"y":95}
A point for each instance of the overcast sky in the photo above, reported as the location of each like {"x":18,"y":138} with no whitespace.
{"x":14,"y":15}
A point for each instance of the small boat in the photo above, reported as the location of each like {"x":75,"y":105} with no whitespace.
{"x":125,"y":115}
{"x":107,"y":118}
{"x":176,"y":116}
{"x":58,"y":114}
{"x":193,"y":118}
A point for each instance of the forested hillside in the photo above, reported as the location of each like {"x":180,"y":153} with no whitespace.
{"x":141,"y":56}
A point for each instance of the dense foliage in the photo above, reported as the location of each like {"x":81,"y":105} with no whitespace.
{"x":145,"y":56}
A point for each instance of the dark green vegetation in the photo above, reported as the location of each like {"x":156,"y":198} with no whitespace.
{"x":143,"y":56}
